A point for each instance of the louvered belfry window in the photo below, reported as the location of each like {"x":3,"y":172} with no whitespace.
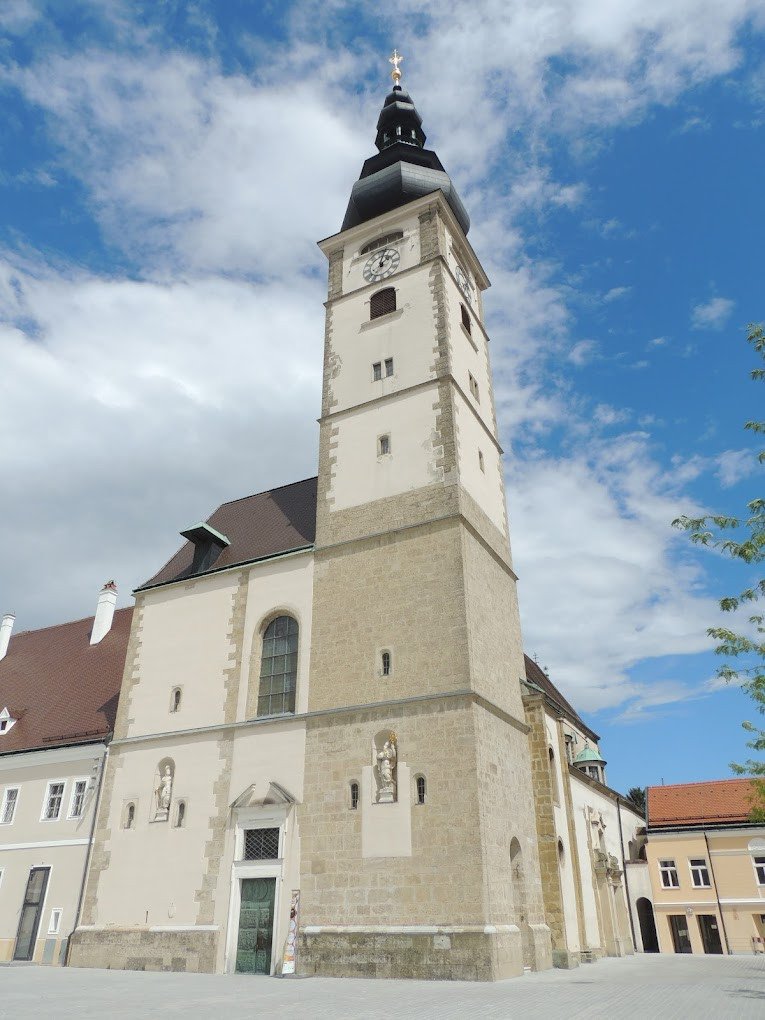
{"x":261,"y":844}
{"x":278,"y":667}
{"x":382,"y":302}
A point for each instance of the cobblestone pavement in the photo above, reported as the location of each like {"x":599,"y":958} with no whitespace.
{"x":651,"y":987}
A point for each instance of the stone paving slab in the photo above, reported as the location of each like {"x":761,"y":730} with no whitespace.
{"x":635,"y":988}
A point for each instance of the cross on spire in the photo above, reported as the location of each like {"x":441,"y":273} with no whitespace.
{"x":395,"y":60}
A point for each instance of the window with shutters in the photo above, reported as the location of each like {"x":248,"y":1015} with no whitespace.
{"x":261,"y":844}
{"x":278,"y":667}
{"x":383,"y":302}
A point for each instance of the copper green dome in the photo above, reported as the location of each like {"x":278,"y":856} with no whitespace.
{"x":589,"y":754}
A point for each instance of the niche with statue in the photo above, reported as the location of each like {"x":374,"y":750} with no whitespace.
{"x":163,"y":789}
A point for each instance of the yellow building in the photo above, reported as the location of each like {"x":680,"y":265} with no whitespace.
{"x":707,"y":866}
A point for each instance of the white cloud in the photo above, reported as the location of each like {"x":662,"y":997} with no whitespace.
{"x":615,"y":294}
{"x":583,"y":352}
{"x":658,"y":341}
{"x":712,"y":314}
{"x":604,"y":414}
{"x":735,"y":465}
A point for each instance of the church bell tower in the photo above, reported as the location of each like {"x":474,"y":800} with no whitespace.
{"x":418,"y":852}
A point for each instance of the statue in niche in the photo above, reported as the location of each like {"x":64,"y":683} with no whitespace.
{"x":385,"y":761}
{"x":164,"y":795}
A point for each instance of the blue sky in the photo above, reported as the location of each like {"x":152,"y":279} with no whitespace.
{"x":165,"y":171}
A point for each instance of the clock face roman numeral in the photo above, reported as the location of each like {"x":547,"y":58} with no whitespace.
{"x":381,"y":265}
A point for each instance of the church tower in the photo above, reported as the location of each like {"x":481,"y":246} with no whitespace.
{"x":418,"y":852}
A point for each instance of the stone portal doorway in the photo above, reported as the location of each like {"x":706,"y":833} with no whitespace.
{"x":256,"y":926}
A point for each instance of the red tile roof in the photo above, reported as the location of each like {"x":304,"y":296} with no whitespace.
{"x":62,"y":689}
{"x":538,"y":678}
{"x":266,"y":524}
{"x":721,"y":802}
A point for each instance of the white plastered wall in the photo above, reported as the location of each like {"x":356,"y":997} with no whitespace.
{"x":29,"y":842}
{"x":405,"y":335}
{"x":360,"y":475}
{"x":483,"y":484}
{"x":568,"y":876}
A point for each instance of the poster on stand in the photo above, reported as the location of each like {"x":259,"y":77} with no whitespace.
{"x":290,"y":949}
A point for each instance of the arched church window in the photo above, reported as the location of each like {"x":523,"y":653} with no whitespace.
{"x":421,"y":789}
{"x":553,"y":776}
{"x":354,"y":796}
{"x":175,"y":699}
{"x":386,"y":663}
{"x":383,"y":302}
{"x":129,"y":816}
{"x":278,"y":667}
{"x":180,"y":814}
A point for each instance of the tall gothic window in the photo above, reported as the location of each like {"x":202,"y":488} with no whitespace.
{"x":278,"y":667}
{"x":382,"y":302}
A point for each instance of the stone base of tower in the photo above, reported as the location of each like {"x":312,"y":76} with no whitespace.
{"x":459,"y":953}
{"x":143,"y":949}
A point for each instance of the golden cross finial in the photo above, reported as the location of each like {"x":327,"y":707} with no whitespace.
{"x":395,"y":73}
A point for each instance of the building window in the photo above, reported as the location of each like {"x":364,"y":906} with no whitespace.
{"x":53,"y":798}
{"x":465,"y":318}
{"x":386,"y":239}
{"x":180,"y":814}
{"x":354,"y":796}
{"x":481,"y":464}
{"x":261,"y":844}
{"x":385,"y":663}
{"x":55,"y":921}
{"x":699,"y":873}
{"x":474,"y":389}
{"x":553,"y":775}
{"x":383,"y":302}
{"x":383,"y":446}
{"x":377,"y":371}
{"x":175,"y":699}
{"x":278,"y":667}
{"x":78,"y":798}
{"x":561,"y":853}
{"x":421,"y":789}
{"x":668,"y":875}
{"x":388,"y":367}
{"x":129,"y":816}
{"x":759,"y":868}
{"x":10,"y":799}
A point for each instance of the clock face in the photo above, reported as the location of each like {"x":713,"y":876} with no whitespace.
{"x":465,"y":283}
{"x":381,"y":265}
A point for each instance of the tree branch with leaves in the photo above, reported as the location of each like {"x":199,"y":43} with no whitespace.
{"x":742,"y":538}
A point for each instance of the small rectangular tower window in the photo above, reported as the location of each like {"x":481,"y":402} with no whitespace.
{"x":474,"y":388}
{"x":383,"y":446}
{"x":377,"y":371}
{"x":388,"y":367}
{"x":466,"y":318}
{"x":480,"y":461}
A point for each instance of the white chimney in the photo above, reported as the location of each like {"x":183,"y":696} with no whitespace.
{"x":102,"y":623}
{"x":6,"y":626}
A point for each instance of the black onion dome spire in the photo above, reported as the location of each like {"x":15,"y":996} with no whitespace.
{"x":403,"y":168}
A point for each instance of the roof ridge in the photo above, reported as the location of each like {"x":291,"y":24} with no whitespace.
{"x":65,"y":623}
{"x":702,"y":782}
{"x":263,"y":492}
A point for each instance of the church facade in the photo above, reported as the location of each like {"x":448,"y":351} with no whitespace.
{"x":330,"y":749}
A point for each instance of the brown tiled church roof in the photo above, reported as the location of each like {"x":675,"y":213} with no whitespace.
{"x":266,"y":524}
{"x":538,"y":678}
{"x":60,"y":688}
{"x":721,"y":802}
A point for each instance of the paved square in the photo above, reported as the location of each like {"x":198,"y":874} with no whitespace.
{"x":666,"y":987}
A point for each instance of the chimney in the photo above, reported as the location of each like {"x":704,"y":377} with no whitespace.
{"x":6,"y":626}
{"x":102,"y":623}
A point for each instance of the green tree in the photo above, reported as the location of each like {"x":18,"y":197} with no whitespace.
{"x":742,"y":538}
{"x":636,"y":796}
